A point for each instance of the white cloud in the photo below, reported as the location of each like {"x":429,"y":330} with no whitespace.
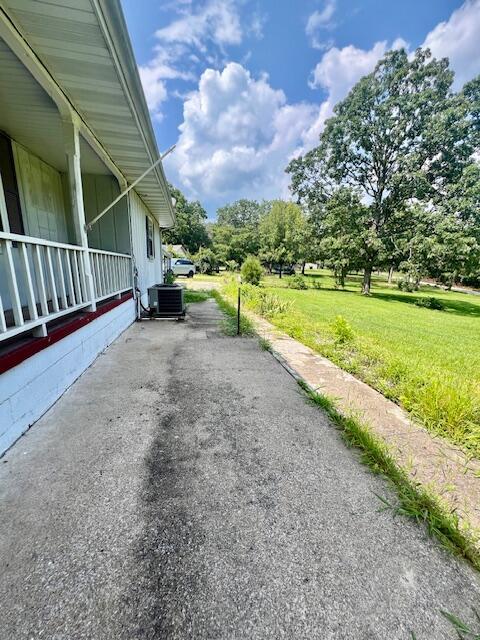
{"x":199,"y":34}
{"x":217,"y":20}
{"x":237,"y":135}
{"x":319,"y":20}
{"x":337,"y":72}
{"x":257,"y":24}
{"x":458,"y":39}
{"x":238,"y":132}
{"x":156,"y":72}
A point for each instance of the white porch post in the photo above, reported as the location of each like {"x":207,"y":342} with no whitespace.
{"x":3,"y":209}
{"x":72,"y":149}
{"x":162,"y":274}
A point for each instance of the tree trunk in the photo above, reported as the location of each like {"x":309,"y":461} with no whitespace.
{"x":303,"y":268}
{"x":280,"y":270}
{"x":390,"y":274}
{"x":367,"y":280}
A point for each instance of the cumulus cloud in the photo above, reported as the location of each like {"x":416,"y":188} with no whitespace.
{"x":217,"y":20}
{"x":239,"y":132}
{"x":237,"y":135}
{"x":458,"y":39}
{"x":155,"y":74}
{"x":198,"y":34}
{"x":319,"y":20}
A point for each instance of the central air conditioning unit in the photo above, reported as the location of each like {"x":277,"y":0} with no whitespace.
{"x":166,"y":301}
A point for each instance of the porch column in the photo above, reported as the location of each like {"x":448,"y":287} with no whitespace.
{"x":72,"y":149}
{"x":162,"y":274}
{"x":3,"y":209}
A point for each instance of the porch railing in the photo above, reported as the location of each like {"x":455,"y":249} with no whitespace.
{"x":41,"y":281}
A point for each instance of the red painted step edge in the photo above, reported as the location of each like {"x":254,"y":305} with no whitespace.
{"x":24,"y":351}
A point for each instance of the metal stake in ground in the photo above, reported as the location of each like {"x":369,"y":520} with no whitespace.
{"x":238,"y":311}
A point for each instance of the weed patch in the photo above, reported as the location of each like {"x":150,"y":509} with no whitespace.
{"x":413,"y":500}
{"x":229,"y":324}
{"x":190,"y":296}
{"x":464,"y":631}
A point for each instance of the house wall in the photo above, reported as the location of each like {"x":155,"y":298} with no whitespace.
{"x":30,"y":388}
{"x":150,"y":271}
{"x":111,"y":232}
{"x":44,"y":209}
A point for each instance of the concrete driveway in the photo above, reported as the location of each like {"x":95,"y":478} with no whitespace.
{"x":183,"y":488}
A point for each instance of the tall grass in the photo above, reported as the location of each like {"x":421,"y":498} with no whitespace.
{"x":428,"y":361}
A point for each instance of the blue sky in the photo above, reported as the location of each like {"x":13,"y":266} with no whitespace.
{"x":244,"y":85}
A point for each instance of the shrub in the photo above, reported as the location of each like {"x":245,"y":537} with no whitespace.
{"x":316,"y":284}
{"x":252,"y":270}
{"x":231,"y":265}
{"x":268,"y":304}
{"x":205,"y":260}
{"x":430,"y":303}
{"x":342,"y":330}
{"x":406,"y":285}
{"x":297,"y":282}
{"x":169,"y":277}
{"x":263,"y":302}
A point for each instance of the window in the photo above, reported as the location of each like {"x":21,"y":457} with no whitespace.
{"x":150,"y":240}
{"x":10,"y":187}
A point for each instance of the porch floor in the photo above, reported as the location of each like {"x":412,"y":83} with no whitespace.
{"x":183,"y":488}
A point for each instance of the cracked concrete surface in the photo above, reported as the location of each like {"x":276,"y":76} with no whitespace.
{"x":183,"y":488}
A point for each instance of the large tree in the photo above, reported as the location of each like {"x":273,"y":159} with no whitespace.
{"x":444,"y":241}
{"x":242,"y":213}
{"x":399,"y":135}
{"x":189,"y":228}
{"x":281,"y":234}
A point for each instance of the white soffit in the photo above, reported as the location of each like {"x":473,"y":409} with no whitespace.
{"x":84,"y":44}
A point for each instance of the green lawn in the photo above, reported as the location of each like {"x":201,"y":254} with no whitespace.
{"x":426,"y":360}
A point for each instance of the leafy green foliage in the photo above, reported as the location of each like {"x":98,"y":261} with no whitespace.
{"x":399,"y":135}
{"x":265,"y":303}
{"x":405,"y":284}
{"x":231,"y":265}
{"x":169,"y":277}
{"x":252,"y":270}
{"x":242,"y":213}
{"x":206,"y":260}
{"x":430,"y":303}
{"x":189,"y":228}
{"x":297,"y":282}
{"x":342,"y":330}
{"x":281,"y":233}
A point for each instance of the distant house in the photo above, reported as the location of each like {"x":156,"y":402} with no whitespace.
{"x":179,"y":251}
{"x":75,"y":131}
{"x":167,"y":258}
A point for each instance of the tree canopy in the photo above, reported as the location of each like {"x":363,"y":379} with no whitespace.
{"x":189,"y":229}
{"x":281,"y":234}
{"x":400,"y":135}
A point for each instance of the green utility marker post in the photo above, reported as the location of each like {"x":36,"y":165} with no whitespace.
{"x":238,"y":311}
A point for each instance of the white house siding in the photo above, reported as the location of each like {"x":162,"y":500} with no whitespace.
{"x":29,"y":389}
{"x":111,"y":232}
{"x":42,"y":201}
{"x":149,"y":270}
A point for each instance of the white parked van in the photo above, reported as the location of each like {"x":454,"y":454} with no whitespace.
{"x":183,"y":267}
